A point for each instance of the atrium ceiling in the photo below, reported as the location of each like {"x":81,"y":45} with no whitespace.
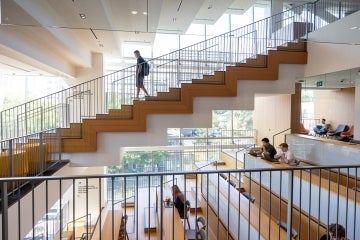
{"x":69,"y":31}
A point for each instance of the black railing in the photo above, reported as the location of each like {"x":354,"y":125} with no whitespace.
{"x":304,"y":199}
{"x":111,"y":91}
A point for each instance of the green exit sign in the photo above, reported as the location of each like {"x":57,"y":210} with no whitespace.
{"x":319,"y":83}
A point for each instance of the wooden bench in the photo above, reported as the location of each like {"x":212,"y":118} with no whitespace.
{"x":171,"y":224}
{"x":130,"y":202}
{"x":106,"y":229}
{"x":334,"y":175}
{"x":273,"y":202}
{"x":149,"y":219}
{"x":65,"y":235}
{"x":256,"y":217}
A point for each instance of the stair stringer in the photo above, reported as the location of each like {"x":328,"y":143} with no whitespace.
{"x":141,"y":109}
{"x":110,"y":145}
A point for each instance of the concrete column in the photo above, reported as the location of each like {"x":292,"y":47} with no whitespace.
{"x":96,"y":70}
{"x":295,"y":117}
{"x":86,"y":74}
{"x":357,"y":110}
{"x":276,"y":6}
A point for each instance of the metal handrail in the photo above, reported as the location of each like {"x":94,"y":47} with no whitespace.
{"x":75,"y":220}
{"x":223,"y":199}
{"x":278,"y":133}
{"x":113,"y":90}
{"x":208,"y":164}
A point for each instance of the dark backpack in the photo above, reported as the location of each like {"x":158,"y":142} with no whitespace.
{"x":146,"y":67}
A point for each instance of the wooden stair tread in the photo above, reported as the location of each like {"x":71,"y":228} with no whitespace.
{"x":293,"y":46}
{"x":217,"y":78}
{"x":180,"y":100}
{"x":74,"y":131}
{"x":259,"y":62}
{"x":125,"y":112}
{"x":174,"y":94}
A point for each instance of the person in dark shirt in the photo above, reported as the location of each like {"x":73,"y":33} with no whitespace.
{"x":268,"y":151}
{"x":179,"y":200}
{"x":140,"y":74}
{"x":336,"y":232}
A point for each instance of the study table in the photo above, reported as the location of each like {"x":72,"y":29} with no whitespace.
{"x":172,"y":225}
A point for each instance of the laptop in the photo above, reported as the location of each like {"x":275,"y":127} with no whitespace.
{"x":254,"y":153}
{"x":268,"y":158}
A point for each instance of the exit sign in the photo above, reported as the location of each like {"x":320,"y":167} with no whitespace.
{"x":319,"y":83}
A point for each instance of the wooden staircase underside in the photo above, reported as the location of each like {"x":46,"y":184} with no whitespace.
{"x":132,"y":118}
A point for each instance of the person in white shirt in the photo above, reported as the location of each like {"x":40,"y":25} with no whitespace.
{"x":286,"y":156}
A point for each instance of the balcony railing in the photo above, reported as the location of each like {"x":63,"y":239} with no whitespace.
{"x":111,"y":91}
{"x":257,"y":203}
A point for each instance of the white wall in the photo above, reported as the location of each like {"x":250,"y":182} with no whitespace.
{"x":357,"y":111}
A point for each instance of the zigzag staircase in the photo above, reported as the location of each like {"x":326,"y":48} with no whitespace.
{"x":82,"y":137}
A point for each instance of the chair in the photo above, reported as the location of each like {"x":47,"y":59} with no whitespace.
{"x":348,"y":133}
{"x":193,"y":234}
{"x":223,"y":175}
{"x":202,"y":234}
{"x":123,"y":233}
{"x":303,"y":130}
{"x":340,"y":128}
{"x":232,"y":183}
{"x":186,"y":216}
{"x":283,"y":225}
{"x":355,"y":141}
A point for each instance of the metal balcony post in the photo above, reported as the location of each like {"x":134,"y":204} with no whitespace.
{"x":4,"y":211}
{"x":289,"y":205}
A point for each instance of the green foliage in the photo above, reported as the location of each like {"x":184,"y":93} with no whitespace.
{"x":134,"y":161}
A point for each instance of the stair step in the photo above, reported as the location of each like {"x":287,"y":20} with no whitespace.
{"x":294,"y":47}
{"x":174,"y":94}
{"x":74,"y":131}
{"x":184,"y":97}
{"x":259,"y":62}
{"x":217,"y":78}
{"x":219,"y":163}
{"x":126,"y":112}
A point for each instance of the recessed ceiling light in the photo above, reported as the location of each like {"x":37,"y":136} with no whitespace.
{"x":82,"y":15}
{"x":145,"y":13}
{"x":134,"y":12}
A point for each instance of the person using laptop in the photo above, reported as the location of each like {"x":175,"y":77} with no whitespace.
{"x":285,"y":155}
{"x":267,"y":151}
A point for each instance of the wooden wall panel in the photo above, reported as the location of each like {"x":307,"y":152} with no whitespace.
{"x":336,"y":106}
{"x":272,"y":115}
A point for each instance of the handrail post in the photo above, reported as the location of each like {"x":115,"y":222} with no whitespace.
{"x":11,"y":158}
{"x":4,"y":211}
{"x":289,"y":204}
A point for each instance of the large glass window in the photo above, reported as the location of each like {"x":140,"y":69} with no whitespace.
{"x":18,"y":89}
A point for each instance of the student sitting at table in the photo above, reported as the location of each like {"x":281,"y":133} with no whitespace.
{"x":286,"y":156}
{"x":180,"y":203}
{"x":267,"y":151}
